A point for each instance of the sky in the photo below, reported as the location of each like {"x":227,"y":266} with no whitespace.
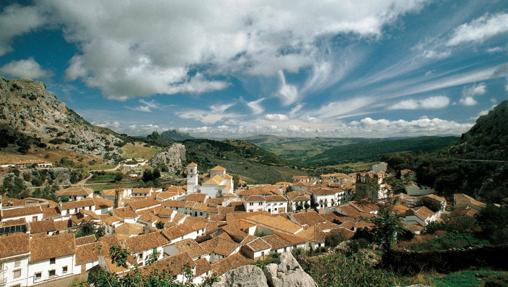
{"x":228,"y":68}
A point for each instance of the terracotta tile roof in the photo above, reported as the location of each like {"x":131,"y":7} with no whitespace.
{"x":234,"y":232}
{"x":143,"y":203}
{"x":166,"y":194}
{"x":192,"y":164}
{"x":144,"y":190}
{"x":197,"y":197}
{"x":423,"y":212}
{"x":400,"y":209}
{"x":21,"y":211}
{"x":190,"y":247}
{"x":14,"y":244}
{"x":277,"y":223}
{"x":50,"y":212}
{"x":77,"y":204}
{"x":87,"y":253}
{"x":124,"y":212}
{"x":254,"y":198}
{"x":276,"y":242}
{"x":174,"y":204}
{"x":216,"y":180}
{"x":109,"y":219}
{"x":297,"y":196}
{"x":231,"y":262}
{"x":308,"y":218}
{"x":461,"y":200}
{"x":202,"y":266}
{"x":109,"y":192}
{"x":219,"y":246}
{"x":172,"y":264}
{"x":126,"y":230}
{"x":176,"y":231}
{"x":102,"y":203}
{"x":275,"y":198}
{"x":218,"y":168}
{"x":258,"y":244}
{"x":146,"y":242}
{"x":42,"y":226}
{"x":13,"y":222}
{"x":61,"y":225}
{"x":85,"y":239}
{"x":75,"y":191}
{"x":46,"y":247}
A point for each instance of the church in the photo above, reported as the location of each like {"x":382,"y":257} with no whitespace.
{"x":216,"y":184}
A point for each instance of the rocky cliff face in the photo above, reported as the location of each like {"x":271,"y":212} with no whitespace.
{"x":30,"y":109}
{"x":288,"y":273}
{"x":172,"y":158}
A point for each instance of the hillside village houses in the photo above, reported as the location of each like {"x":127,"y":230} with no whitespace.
{"x":210,"y":226}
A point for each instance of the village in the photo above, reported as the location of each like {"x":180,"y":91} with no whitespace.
{"x":203,"y":228}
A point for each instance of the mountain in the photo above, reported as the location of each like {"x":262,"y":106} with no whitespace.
{"x":297,"y":149}
{"x":250,"y":162}
{"x":176,"y":135}
{"x":374,"y":149}
{"x":488,"y":138}
{"x":32,"y":116}
{"x":477,"y":165}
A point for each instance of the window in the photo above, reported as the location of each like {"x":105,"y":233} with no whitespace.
{"x":52,"y":261}
{"x":38,"y":275}
{"x":251,"y":203}
{"x":64,"y":269}
{"x":34,"y":218}
{"x":17,"y":263}
{"x":16,"y":273}
{"x":51,"y":273}
{"x":140,"y":255}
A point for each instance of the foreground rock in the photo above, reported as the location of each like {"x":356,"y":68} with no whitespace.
{"x":288,"y":273}
{"x":172,"y":158}
{"x":244,"y":276}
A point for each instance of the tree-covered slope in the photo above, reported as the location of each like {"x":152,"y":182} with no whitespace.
{"x":376,"y":148}
{"x":488,"y":138}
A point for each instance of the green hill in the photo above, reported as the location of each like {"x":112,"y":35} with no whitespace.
{"x":241,"y":158}
{"x":488,"y":138}
{"x":374,"y":149}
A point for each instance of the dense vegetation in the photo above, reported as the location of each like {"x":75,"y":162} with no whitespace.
{"x":488,"y":138}
{"x":476,"y":166}
{"x":374,"y":150}
{"x":242,"y":158}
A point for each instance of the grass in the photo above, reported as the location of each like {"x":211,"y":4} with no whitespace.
{"x":138,"y":150}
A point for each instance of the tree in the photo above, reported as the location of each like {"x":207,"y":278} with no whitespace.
{"x":14,"y":187}
{"x":118,"y":255}
{"x":118,"y":177}
{"x":386,"y":227}
{"x":159,"y":225}
{"x":85,"y":228}
{"x":334,"y":238}
{"x":101,"y":231}
{"x":492,"y":220}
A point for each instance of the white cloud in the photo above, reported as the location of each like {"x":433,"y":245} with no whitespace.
{"x":146,"y":106}
{"x":276,"y":117}
{"x":366,"y":127}
{"x":287,"y":93}
{"x":134,"y":48}
{"x":256,"y":107}
{"x":480,"y":29}
{"x":216,"y":113}
{"x":26,"y":69}
{"x":468,"y":101}
{"x":469,"y":94}
{"x":434,"y":102}
{"x":16,"y":20}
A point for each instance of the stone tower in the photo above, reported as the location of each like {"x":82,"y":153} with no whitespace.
{"x":192,"y":178}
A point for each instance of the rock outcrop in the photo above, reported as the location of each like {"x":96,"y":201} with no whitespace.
{"x":288,"y":273}
{"x":172,"y":158}
{"x":28,"y":108}
{"x":244,"y":276}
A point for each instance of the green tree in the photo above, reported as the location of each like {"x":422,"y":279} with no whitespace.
{"x":118,"y":177}
{"x":85,"y":228}
{"x":118,"y":255}
{"x":387,"y":226}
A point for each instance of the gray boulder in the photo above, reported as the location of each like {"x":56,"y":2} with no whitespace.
{"x":244,"y":276}
{"x":288,"y":273}
{"x":172,"y":158}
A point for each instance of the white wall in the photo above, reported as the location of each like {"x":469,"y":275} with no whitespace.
{"x":8,"y":267}
{"x":44,"y":267}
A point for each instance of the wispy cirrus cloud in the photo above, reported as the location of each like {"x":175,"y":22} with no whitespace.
{"x":434,"y":102}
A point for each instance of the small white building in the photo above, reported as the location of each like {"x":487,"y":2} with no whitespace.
{"x":14,"y":256}
{"x":192,"y":178}
{"x":147,"y":247}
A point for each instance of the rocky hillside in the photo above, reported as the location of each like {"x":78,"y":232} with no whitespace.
{"x":27,"y":108}
{"x":488,"y":138}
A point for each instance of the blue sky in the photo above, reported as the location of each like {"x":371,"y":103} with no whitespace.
{"x":384,"y":68}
